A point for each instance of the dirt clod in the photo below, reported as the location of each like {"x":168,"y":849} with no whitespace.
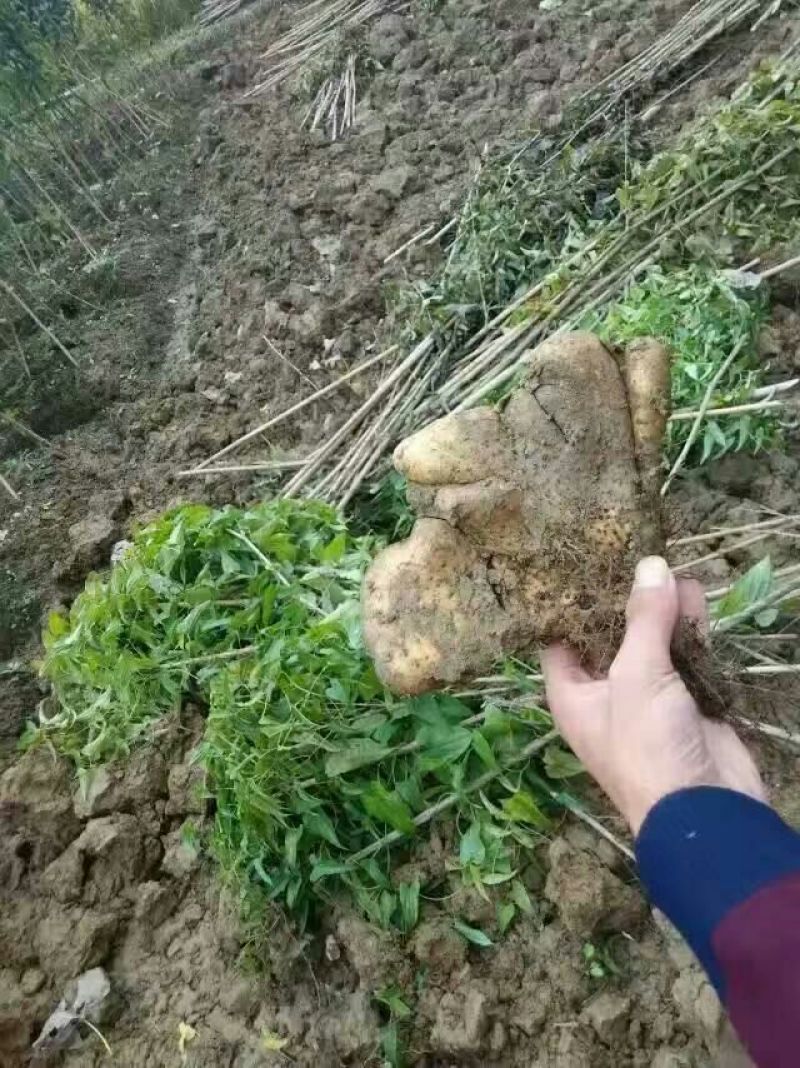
{"x":106,"y":789}
{"x":461,"y":1021}
{"x":439,"y":947}
{"x":589,"y":897}
{"x":608,"y":1015}
{"x":72,"y":940}
{"x":91,"y":541}
{"x":35,"y":807}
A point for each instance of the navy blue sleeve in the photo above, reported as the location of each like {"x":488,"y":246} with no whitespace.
{"x":706,"y":850}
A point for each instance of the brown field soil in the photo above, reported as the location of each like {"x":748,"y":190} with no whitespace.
{"x":249,"y":260}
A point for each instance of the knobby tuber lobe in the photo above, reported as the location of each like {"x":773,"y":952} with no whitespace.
{"x":532,"y":518}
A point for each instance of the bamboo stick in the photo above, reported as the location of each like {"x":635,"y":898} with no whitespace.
{"x":725,"y":532}
{"x":9,"y":488}
{"x":46,"y":329}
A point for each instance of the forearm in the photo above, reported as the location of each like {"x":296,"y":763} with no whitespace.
{"x":726,"y":870}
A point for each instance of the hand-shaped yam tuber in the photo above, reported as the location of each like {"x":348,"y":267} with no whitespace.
{"x":531,"y":518}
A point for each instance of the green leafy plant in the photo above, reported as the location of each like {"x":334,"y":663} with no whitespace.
{"x":392,"y":1003}
{"x":316,"y":771}
{"x":762,"y":599}
{"x":309,"y":808}
{"x":382,"y":508}
{"x":517,"y":222}
{"x":702,"y":319}
{"x":199,"y":591}
{"x":599,"y":960}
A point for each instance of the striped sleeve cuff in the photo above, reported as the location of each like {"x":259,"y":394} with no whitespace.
{"x":705,"y":851}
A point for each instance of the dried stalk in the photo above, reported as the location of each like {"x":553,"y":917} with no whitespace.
{"x":314,"y":27}
{"x":289,"y":363}
{"x":724,"y":532}
{"x":46,"y":329}
{"x":9,"y":489}
{"x":20,"y":351}
{"x":299,"y":480}
{"x":785,"y":266}
{"x":334,"y":106}
{"x":411,"y":241}
{"x":727,"y":549}
{"x":734,"y":409}
{"x":23,"y":429}
{"x":277,"y":465}
{"x":772,"y":669}
{"x":769,"y":730}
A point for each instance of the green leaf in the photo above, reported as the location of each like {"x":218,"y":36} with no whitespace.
{"x":766,"y":617}
{"x":522,"y":808}
{"x":506,"y":912}
{"x":290,"y":844}
{"x":57,"y":625}
{"x":444,"y":744}
{"x":324,"y":868}
{"x":388,"y":807}
{"x":483,"y":750}
{"x":319,"y":825}
{"x":392,"y":998}
{"x":359,"y":752}
{"x":437,"y":710}
{"x":756,"y":583}
{"x":496,"y":878}
{"x":391,"y":1048}
{"x":334,"y":550}
{"x":559,"y":764}
{"x":473,"y":934}
{"x":386,"y":906}
{"x":408,"y":893}
{"x":519,"y":895}
{"x":472,"y":849}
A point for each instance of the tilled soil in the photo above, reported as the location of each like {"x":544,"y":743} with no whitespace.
{"x":251,"y":259}
{"x":111,"y":880}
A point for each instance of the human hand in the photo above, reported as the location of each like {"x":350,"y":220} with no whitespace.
{"x":638,"y":731}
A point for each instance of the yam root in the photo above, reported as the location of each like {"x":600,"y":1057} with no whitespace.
{"x":532,"y":518}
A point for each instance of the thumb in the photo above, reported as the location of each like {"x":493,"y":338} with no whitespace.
{"x":652,"y":614}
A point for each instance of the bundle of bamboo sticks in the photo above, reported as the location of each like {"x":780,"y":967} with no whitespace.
{"x":313,"y":30}
{"x":334,"y":106}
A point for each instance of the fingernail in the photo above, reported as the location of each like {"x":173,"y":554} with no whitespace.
{"x":651,"y":572}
